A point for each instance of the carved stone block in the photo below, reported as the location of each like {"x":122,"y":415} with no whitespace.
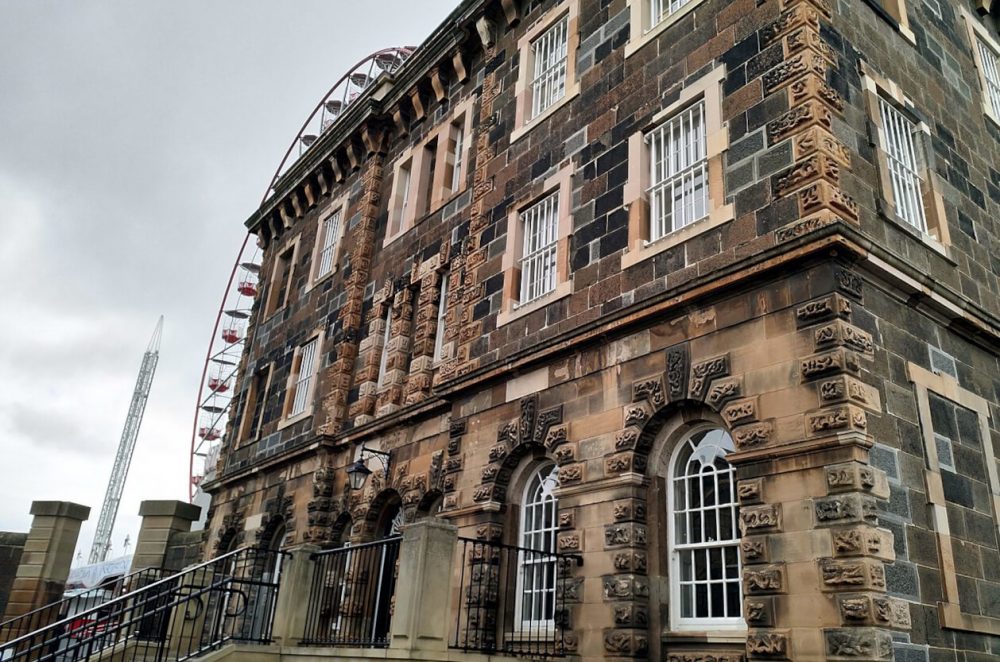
{"x":760,"y":518}
{"x":619,"y":588}
{"x":844,"y":509}
{"x":836,"y":419}
{"x":750,"y":491}
{"x":570,"y":542}
{"x":858,"y":644}
{"x":853,"y":476}
{"x":624,"y":463}
{"x":770,"y":644}
{"x":722,"y":391}
{"x":753,"y":435}
{"x":630,"y":561}
{"x":629,"y":510}
{"x":704,"y":372}
{"x":767,"y":579}
{"x":627,"y":643}
{"x":754,"y":549}
{"x":821,"y":310}
{"x":567,"y":518}
{"x":863,"y":541}
{"x":624,"y":535}
{"x":740,"y":411}
{"x":571,"y":473}
{"x":836,"y":361}
{"x":759,"y":611}
{"x":630,"y":614}
{"x":854,"y":574}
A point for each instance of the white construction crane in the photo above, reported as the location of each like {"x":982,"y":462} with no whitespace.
{"x":113,"y":495}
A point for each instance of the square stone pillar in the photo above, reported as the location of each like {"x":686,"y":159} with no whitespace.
{"x":422,"y":613}
{"x":48,"y":554}
{"x":160,"y":521}
{"x":294,"y":594}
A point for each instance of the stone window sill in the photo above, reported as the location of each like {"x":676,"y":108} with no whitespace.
{"x":292,"y":420}
{"x":572,"y":92}
{"x":646,"y":250}
{"x":562,"y":291}
{"x":928,"y":240}
{"x":637,"y":43}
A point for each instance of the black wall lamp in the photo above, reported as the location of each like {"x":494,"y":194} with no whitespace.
{"x":358,"y":472}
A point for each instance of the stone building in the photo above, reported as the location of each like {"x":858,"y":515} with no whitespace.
{"x":703,"y":291}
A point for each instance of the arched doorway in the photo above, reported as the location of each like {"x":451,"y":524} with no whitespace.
{"x":388,"y":531}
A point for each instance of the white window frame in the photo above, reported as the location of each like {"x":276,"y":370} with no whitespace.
{"x":546,"y":79}
{"x":330,"y":239}
{"x":661,"y":10}
{"x":533,"y":509}
{"x":678,"y":159}
{"x":986,"y":53}
{"x":457,"y":155}
{"x":679,"y":622}
{"x":442,"y":315}
{"x":539,"y":262}
{"x":550,"y":67}
{"x":308,"y":361}
{"x":900,"y":146}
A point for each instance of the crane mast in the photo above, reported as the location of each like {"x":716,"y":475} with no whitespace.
{"x":113,"y":494}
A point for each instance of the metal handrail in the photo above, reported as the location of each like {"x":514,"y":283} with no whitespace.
{"x":235,"y":601}
{"x":32,"y":619}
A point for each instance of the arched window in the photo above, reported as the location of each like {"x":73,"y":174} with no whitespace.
{"x":536,"y":580}
{"x":704,"y":538}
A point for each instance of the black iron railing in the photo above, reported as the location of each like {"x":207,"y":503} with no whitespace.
{"x":230,"y":598}
{"x":350,"y":603}
{"x":60,"y":609}
{"x":512,"y":599}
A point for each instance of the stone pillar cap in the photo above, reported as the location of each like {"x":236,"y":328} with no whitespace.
{"x":60,"y":509}
{"x":179,"y":509}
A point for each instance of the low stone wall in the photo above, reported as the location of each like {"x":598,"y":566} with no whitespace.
{"x":11,"y":546}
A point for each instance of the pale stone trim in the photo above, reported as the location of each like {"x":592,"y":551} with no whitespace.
{"x":293,"y":246}
{"x":639,"y":32}
{"x":946,"y":386}
{"x":242,"y":436}
{"x":293,"y":375}
{"x":510,"y":310}
{"x":897,"y":9}
{"x":338,"y":204}
{"x":414,"y":157}
{"x":709,"y":89}
{"x":977,"y":31}
{"x":522,"y":88}
{"x":937,"y":236}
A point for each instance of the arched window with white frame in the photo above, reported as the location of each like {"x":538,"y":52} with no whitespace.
{"x":705,"y":582}
{"x":536,"y":577}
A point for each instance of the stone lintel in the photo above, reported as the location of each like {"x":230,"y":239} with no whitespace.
{"x":65,"y":509}
{"x":178,"y":509}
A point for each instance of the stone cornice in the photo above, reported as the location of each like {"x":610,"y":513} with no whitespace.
{"x":959,"y":312}
{"x":374,"y":104}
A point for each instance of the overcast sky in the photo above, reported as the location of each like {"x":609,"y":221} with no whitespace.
{"x":135,"y":139}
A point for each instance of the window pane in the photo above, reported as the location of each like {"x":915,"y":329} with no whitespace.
{"x":901,"y":157}
{"x":704,"y":541}
{"x":549,"y":52}
{"x":538,"y":264}
{"x":678,"y":195}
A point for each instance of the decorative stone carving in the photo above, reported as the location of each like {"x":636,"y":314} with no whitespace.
{"x":838,"y":418}
{"x":864,"y":643}
{"x":564,"y":454}
{"x":835,"y":361}
{"x":768,"y":643}
{"x":753,"y":435}
{"x":845,"y":508}
{"x":620,"y":535}
{"x":678,"y":362}
{"x":650,"y":390}
{"x":849,"y":282}
{"x":626,"y":642}
{"x":625,"y":587}
{"x":627,"y":439}
{"x":567,"y":519}
{"x":757,"y":518}
{"x":624,"y":463}
{"x":706,"y":657}
{"x":759,"y":612}
{"x":740,"y":411}
{"x":569,"y":542}
{"x":631,"y":615}
{"x":704,"y":372}
{"x":490,"y":532}
{"x":555,"y":436}
{"x":753,"y":550}
{"x":858,"y":541}
{"x":750,"y":491}
{"x":628,"y":510}
{"x":630,"y":561}
{"x":572,"y":473}
{"x":636,"y":415}
{"x":767,"y":579}
{"x":862,"y":573}
{"x":820,"y":310}
{"x":722,"y":391}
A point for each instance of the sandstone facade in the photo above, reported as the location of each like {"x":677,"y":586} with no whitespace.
{"x":851,"y":357}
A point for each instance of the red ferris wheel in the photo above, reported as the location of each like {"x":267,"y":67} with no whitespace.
{"x":217,"y":388}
